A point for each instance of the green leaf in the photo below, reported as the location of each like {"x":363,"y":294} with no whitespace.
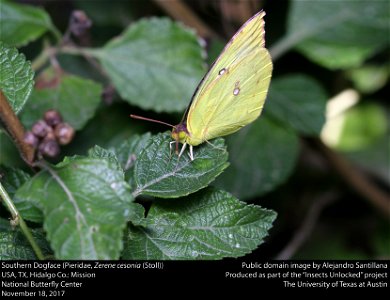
{"x":79,"y":66}
{"x":93,"y":133}
{"x":155,"y":64}
{"x":161,"y":174}
{"x":359,"y":127}
{"x":20,"y":24}
{"x":128,"y":152}
{"x":374,"y":157}
{"x":99,"y":152}
{"x":85,"y":203}
{"x":369,"y":78}
{"x":74,"y":97}
{"x":338,"y":34}
{"x":12,"y":179}
{"x":210,"y":224}
{"x":28,"y":210}
{"x":299,"y":101}
{"x":262,"y":156}
{"x":9,"y":154}
{"x":137,"y":211}
{"x":14,"y":245}
{"x":16,"y":77}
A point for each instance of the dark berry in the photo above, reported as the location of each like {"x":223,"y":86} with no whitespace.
{"x":52,"y":117}
{"x":31,"y":139}
{"x":49,"y":147}
{"x":64,"y":133}
{"x":40,"y":128}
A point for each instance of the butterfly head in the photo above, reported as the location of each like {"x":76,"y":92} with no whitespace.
{"x":180,"y":133}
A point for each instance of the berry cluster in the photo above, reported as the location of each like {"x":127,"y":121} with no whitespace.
{"x":47,"y":134}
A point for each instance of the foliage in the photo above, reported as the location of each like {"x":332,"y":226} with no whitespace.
{"x":16,"y":77}
{"x":119,"y":191}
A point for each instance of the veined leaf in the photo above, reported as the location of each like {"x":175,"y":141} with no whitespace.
{"x":338,"y":34}
{"x":14,"y":245}
{"x":159,"y":173}
{"x":136,"y":213}
{"x":155,"y":64}
{"x":210,"y":224}
{"x":299,"y":101}
{"x":128,"y":152}
{"x":99,"y":152}
{"x":20,"y":24}
{"x":12,"y":179}
{"x":74,"y":97}
{"x":85,"y":203}
{"x":16,"y":77}
{"x":262,"y":156}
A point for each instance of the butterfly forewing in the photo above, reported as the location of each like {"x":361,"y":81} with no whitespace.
{"x":232,"y":94}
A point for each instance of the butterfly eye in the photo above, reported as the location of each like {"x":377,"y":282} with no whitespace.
{"x":182,"y":136}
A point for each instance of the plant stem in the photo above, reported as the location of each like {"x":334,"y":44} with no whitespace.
{"x":40,"y":60}
{"x":43,"y":57}
{"x":23,"y":226}
{"x":79,"y":51}
{"x":48,"y":52}
{"x":15,"y":129}
{"x":180,"y":11}
{"x":307,"y":226}
{"x":356,"y":179}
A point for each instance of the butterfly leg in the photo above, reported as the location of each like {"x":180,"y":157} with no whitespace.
{"x":170,"y":149}
{"x":191,"y":152}
{"x":182,"y":149}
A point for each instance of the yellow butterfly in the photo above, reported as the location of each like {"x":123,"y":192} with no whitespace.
{"x":232,"y":93}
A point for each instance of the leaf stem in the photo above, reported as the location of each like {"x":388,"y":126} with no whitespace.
{"x":15,"y":129}
{"x":40,"y":60}
{"x":50,"y":51}
{"x":16,"y":217}
{"x":43,"y":57}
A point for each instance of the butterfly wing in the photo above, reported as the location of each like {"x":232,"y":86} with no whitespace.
{"x":233,"y":92}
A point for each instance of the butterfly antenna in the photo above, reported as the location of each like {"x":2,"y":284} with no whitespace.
{"x":151,"y":120}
